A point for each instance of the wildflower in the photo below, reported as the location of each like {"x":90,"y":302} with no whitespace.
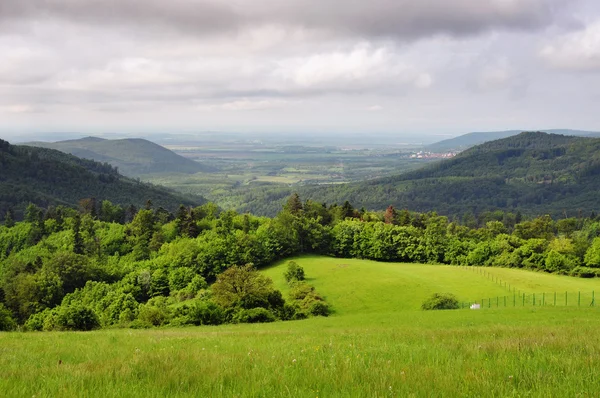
{"x":294,"y":360}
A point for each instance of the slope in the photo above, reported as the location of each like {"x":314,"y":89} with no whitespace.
{"x":132,"y":156}
{"x":355,"y":287}
{"x":49,"y":177}
{"x":471,"y":139}
{"x":535,"y":173}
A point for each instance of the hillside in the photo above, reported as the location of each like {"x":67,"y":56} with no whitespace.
{"x":534,"y":173}
{"x":132,"y":156}
{"x":49,"y":177}
{"x":471,"y":139}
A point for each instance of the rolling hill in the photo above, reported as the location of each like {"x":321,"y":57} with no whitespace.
{"x":471,"y":139}
{"x":533,"y":172}
{"x":132,"y":156}
{"x":50,"y":177}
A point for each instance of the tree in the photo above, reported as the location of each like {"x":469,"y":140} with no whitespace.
{"x":9,"y":219}
{"x":592,"y":256}
{"x":77,"y":240}
{"x":6,"y":320}
{"x":390,"y":215}
{"x":88,"y":206}
{"x":294,"y":272}
{"x":294,"y":204}
{"x":242,"y":287}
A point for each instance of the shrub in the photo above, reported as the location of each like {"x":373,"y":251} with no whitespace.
{"x":76,"y":317}
{"x":440,"y":301}
{"x":299,"y":290}
{"x":318,"y":308}
{"x":254,"y":315}
{"x":155,"y":312}
{"x":294,"y":272}
{"x":584,"y":272}
{"x":6,"y":320}
{"x":65,"y":317}
{"x":200,"y":312}
{"x":36,"y":321}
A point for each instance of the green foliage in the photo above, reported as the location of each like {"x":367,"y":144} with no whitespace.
{"x":199,"y":312}
{"x":46,"y":177}
{"x":534,"y":173}
{"x":318,"y":308}
{"x":6,"y":320}
{"x":592,"y":255}
{"x":440,"y":301}
{"x":294,"y":272}
{"x":155,"y":312}
{"x":67,"y":317}
{"x":242,"y":286}
{"x":254,"y":315}
{"x":132,"y":156}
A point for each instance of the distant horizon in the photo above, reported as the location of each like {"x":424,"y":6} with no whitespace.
{"x":67,"y":135}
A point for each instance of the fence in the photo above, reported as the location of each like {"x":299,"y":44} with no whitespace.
{"x":566,"y":299}
{"x":517,"y":298}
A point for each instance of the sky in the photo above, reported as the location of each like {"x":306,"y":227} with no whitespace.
{"x":431,"y":67}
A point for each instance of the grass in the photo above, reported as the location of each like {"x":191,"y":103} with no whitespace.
{"x":377,"y":344}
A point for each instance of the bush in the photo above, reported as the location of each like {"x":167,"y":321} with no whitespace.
{"x":199,"y":313}
{"x":65,"y":317}
{"x":254,"y":315}
{"x":584,"y":272}
{"x":318,"y":308}
{"x":155,"y":312}
{"x":299,"y":290}
{"x":6,"y":320}
{"x":440,"y":301}
{"x":76,"y":317}
{"x":36,"y":321}
{"x":294,"y":272}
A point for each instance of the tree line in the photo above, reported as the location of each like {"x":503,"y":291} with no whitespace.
{"x":107,"y":266}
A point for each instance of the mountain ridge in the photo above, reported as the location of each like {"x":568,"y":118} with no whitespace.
{"x":134,"y":157}
{"x":46,"y":177}
{"x":468,"y":140}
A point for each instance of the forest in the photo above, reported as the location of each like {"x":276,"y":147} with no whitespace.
{"x":47,"y":177}
{"x":533,"y":172}
{"x":102,"y":266}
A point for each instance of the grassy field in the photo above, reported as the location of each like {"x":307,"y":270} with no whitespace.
{"x":376,"y":344}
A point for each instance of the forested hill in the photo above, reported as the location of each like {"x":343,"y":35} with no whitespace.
{"x":50,"y":177}
{"x":535,"y":173}
{"x":471,"y":139}
{"x":132,"y":156}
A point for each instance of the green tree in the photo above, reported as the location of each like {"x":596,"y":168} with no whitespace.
{"x":293,"y":204}
{"x":9,"y":219}
{"x":242,"y":287}
{"x":294,"y":272}
{"x":77,"y":240}
{"x":6,"y":320}
{"x":592,"y":255}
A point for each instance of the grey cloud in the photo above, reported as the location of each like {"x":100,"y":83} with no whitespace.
{"x":198,"y":16}
{"x":411,"y":19}
{"x":404,"y":19}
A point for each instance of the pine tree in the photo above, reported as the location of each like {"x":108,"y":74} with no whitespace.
{"x":77,"y":240}
{"x":9,"y":220}
{"x":294,"y":204}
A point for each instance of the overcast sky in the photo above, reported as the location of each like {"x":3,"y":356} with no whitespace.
{"x":401,"y":66}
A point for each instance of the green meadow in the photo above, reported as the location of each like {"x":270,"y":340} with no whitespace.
{"x":377,"y":343}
